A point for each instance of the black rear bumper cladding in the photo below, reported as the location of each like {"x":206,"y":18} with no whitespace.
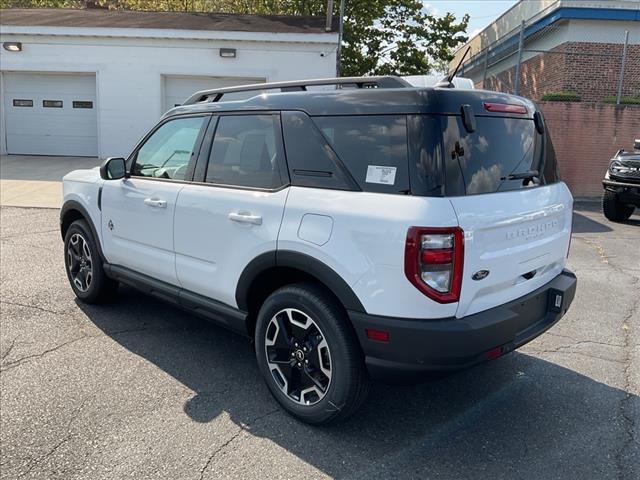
{"x":418,"y":347}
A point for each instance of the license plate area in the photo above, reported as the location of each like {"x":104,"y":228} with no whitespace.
{"x":555,"y":300}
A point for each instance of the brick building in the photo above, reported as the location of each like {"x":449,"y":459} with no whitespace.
{"x":568,"y":46}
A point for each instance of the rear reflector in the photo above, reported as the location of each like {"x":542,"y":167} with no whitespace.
{"x":494,"y":353}
{"x":377,"y":335}
{"x":505,"y":108}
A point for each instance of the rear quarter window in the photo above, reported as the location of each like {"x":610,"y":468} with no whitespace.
{"x":373,"y":149}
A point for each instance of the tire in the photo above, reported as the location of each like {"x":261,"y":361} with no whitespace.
{"x":613,"y":209}
{"x":84,"y":266}
{"x":332,"y":356}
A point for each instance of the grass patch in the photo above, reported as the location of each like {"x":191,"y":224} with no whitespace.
{"x":561,"y":97}
{"x":634,"y":100}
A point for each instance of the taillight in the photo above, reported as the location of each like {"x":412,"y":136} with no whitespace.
{"x":433,"y":260}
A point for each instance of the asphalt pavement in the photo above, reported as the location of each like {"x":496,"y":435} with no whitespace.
{"x":138,"y":389}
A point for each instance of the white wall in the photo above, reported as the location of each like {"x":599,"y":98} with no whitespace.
{"x":129,"y":71}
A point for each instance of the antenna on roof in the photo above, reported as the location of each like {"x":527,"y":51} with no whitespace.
{"x":448,"y":83}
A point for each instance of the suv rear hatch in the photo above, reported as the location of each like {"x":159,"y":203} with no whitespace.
{"x":503,"y":184}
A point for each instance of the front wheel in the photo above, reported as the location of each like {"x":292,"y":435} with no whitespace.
{"x":613,"y":209}
{"x":309,"y":356}
{"x":84,"y":266}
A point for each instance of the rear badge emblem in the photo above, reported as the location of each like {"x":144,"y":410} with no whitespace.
{"x":480,"y":275}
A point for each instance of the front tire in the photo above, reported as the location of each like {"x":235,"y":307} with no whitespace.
{"x":613,"y":209}
{"x":309,"y":355}
{"x":84,"y":266}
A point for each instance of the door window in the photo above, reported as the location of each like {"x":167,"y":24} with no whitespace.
{"x":245,"y":152}
{"x":167,"y":152}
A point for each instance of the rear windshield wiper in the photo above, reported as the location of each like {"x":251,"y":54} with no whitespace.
{"x":526,"y":175}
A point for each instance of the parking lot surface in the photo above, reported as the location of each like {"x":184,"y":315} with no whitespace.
{"x":138,"y":389}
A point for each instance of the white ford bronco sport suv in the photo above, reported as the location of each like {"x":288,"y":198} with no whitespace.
{"x":372,"y":231}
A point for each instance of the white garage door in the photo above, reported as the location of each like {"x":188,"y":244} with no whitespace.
{"x":50,"y":114}
{"x":178,"y":88}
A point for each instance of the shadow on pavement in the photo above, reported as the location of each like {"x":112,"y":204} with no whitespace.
{"x":516,"y":417}
{"x":586,"y":224}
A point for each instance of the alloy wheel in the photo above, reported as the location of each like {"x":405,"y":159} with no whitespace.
{"x":298,"y":356}
{"x":79,"y":262}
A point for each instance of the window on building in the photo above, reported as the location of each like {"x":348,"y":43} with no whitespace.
{"x":19,"y":102}
{"x":82,"y":104}
{"x":52,"y":103}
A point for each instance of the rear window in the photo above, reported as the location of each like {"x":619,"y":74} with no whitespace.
{"x":496,"y":156}
{"x":373,"y":148}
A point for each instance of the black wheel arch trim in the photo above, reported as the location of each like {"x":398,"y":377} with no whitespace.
{"x":299,"y":261}
{"x":70,"y":205}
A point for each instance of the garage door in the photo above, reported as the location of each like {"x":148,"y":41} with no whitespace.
{"x":178,"y":88}
{"x":50,"y":114}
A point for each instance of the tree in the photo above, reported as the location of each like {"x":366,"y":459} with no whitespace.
{"x":381,"y":37}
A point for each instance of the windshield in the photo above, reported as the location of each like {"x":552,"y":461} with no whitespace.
{"x":502,"y":154}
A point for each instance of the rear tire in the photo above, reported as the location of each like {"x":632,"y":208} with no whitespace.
{"x":309,"y":355}
{"x":613,"y":209}
{"x":84,"y":266}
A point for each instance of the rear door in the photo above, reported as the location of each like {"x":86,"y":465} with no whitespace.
{"x":234,"y":212}
{"x":516,"y":221}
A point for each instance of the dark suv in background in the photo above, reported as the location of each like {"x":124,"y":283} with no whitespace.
{"x":622,"y":185}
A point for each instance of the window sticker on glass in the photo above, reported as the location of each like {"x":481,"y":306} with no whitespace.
{"x":382,"y":175}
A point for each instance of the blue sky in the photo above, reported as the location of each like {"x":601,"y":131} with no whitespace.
{"x":482,"y":12}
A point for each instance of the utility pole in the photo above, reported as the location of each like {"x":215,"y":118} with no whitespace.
{"x":340,"y":33}
{"x":520,"y":47}
{"x":329,"y":25}
{"x":623,"y":61}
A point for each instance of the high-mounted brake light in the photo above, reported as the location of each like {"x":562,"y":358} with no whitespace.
{"x":505,"y":108}
{"x":433,"y":261}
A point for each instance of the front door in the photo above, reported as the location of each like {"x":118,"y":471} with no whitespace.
{"x":138,"y":211}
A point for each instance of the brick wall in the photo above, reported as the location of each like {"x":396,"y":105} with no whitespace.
{"x":593,"y":77}
{"x":585,"y":137}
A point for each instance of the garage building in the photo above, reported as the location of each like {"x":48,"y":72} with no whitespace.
{"x":92,"y":82}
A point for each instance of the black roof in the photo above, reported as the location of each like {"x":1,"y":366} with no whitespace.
{"x":99,"y":18}
{"x":364,"y":101}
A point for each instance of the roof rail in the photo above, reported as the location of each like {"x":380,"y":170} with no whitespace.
{"x":216,"y":95}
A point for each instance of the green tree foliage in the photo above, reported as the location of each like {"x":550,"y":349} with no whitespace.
{"x":380,"y":36}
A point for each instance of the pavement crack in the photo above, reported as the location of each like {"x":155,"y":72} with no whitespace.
{"x":625,"y":407}
{"x":242,"y":428}
{"x":68,"y":436}
{"x":27,"y":358}
{"x":24,"y":234}
{"x":35,"y":307}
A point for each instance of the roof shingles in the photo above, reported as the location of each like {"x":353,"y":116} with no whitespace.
{"x":49,"y":17}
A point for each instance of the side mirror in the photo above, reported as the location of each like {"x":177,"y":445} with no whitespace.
{"x":113,"y":169}
{"x":636,"y":144}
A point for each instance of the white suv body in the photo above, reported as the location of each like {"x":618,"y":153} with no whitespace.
{"x":223,"y":206}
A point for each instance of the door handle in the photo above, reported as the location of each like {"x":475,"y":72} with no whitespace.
{"x":245,"y":217}
{"x":155,"y":203}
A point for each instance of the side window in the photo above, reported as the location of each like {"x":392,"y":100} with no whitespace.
{"x":245,"y":152}
{"x":167,"y":152}
{"x":373,"y":148}
{"x":311,"y":160}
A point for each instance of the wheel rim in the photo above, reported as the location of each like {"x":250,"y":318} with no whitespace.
{"x":79,"y":262}
{"x":298,"y":356}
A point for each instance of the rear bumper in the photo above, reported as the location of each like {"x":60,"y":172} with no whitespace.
{"x":419,"y":347}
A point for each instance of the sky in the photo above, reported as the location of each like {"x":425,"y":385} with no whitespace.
{"x":482,"y":12}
